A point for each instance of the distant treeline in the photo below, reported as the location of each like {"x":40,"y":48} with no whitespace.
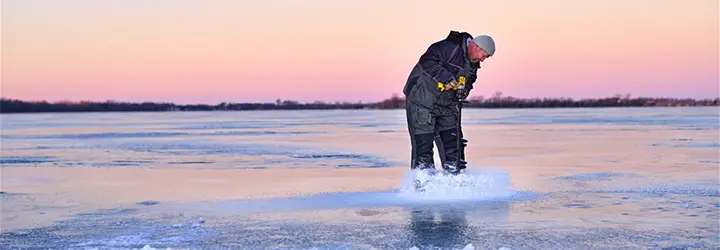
{"x":8,"y":105}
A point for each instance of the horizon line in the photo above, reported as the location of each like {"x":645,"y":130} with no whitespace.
{"x":393,"y":96}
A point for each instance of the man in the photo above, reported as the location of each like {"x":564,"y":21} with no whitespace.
{"x":443,"y":76}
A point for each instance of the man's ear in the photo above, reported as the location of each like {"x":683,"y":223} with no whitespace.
{"x":472,"y":46}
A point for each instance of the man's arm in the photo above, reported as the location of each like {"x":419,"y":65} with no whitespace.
{"x":470,"y":81}
{"x":432,"y":61}
{"x":472,"y":77}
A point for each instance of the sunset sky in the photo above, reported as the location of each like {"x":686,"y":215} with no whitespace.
{"x":194,"y":51}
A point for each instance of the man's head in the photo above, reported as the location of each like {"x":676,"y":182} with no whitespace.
{"x":481,"y":48}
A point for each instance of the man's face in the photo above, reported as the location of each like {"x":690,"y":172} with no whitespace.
{"x":477,"y":54}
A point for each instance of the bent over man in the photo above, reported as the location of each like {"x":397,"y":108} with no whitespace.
{"x":443,"y":76}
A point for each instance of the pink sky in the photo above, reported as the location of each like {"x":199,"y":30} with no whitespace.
{"x":244,"y":51}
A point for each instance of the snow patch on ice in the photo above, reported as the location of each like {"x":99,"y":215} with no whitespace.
{"x":476,"y":184}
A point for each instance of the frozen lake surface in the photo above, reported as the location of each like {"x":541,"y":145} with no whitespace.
{"x":595,"y":178}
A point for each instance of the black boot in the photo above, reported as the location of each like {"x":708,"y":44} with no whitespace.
{"x":450,"y":149}
{"x":422,"y":152}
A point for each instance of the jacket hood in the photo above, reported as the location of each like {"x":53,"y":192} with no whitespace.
{"x":460,"y":38}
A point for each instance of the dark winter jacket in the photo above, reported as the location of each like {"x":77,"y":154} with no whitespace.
{"x":443,"y":61}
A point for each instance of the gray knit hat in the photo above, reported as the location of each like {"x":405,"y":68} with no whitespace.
{"x":486,"y":43}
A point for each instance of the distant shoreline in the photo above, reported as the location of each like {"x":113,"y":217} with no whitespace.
{"x":8,"y":105}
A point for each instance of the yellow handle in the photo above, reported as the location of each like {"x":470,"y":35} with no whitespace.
{"x":459,"y":85}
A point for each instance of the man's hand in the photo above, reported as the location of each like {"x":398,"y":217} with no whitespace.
{"x":452,"y":85}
